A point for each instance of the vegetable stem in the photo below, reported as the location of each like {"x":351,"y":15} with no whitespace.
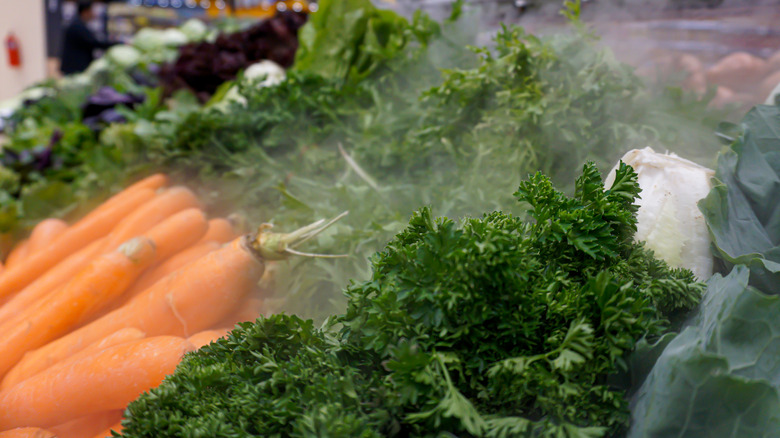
{"x":279,"y":246}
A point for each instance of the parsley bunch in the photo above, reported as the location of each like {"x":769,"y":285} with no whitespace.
{"x":497,"y":327}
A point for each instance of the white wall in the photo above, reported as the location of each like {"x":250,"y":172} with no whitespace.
{"x":25,"y":18}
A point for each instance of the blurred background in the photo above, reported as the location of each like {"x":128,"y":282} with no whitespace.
{"x":669,"y":40}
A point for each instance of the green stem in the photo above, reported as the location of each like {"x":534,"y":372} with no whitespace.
{"x":280,"y":246}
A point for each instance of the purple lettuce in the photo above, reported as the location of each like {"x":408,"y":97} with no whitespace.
{"x":202,"y":67}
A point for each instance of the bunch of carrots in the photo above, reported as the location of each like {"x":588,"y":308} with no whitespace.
{"x":95,"y":313}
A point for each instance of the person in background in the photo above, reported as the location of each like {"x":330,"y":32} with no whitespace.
{"x":80,"y":43}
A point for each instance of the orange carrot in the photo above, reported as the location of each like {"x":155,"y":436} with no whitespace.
{"x":107,"y":380}
{"x":116,"y":427}
{"x":170,"y":266}
{"x":27,"y":432}
{"x":177,"y":232}
{"x":150,"y":214}
{"x":247,"y":310}
{"x":31,"y":364}
{"x":220,"y":230}
{"x":54,"y":315}
{"x":76,"y":237}
{"x":193,"y":298}
{"x":190,"y":300}
{"x":45,"y":233}
{"x":170,"y":237}
{"x":51,"y":280}
{"x":87,"y":426}
{"x":206,"y":337}
{"x":153,"y":182}
{"x":18,"y":253}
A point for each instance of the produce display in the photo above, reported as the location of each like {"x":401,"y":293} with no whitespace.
{"x":423,"y":348}
{"x":202,"y":67}
{"x":493,"y":278}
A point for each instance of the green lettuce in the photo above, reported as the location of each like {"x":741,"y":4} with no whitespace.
{"x":348,"y":40}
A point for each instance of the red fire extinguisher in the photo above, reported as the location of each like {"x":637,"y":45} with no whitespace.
{"x":12,"y":46}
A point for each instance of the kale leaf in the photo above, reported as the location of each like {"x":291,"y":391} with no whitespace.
{"x":721,"y":376}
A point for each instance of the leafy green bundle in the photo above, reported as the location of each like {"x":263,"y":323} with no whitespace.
{"x":494,"y":328}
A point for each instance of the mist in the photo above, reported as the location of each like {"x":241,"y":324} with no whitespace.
{"x":457,"y":130}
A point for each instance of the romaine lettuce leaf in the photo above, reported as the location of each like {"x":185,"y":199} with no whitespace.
{"x":350,"y":39}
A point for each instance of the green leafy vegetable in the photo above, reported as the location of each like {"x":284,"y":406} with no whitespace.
{"x":720,"y":377}
{"x":743,"y":208}
{"x":495,"y":328}
{"x":351,"y":39}
{"x":284,"y":378}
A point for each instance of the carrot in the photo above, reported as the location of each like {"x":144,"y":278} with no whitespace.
{"x":177,"y":232}
{"x":107,"y":380}
{"x":87,"y":426}
{"x":193,"y":298}
{"x":206,"y":337}
{"x":72,"y":264}
{"x":45,"y":233}
{"x":248,"y":309}
{"x":116,"y":427}
{"x":170,"y":237}
{"x":170,"y":266}
{"x":76,"y":237}
{"x":31,"y":364}
{"x":49,"y":281}
{"x":153,"y":183}
{"x":150,"y":214}
{"x":18,"y":253}
{"x":27,"y":432}
{"x":220,"y":230}
{"x":53,"y":316}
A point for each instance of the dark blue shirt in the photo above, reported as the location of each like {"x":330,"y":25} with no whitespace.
{"x":78,"y":47}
